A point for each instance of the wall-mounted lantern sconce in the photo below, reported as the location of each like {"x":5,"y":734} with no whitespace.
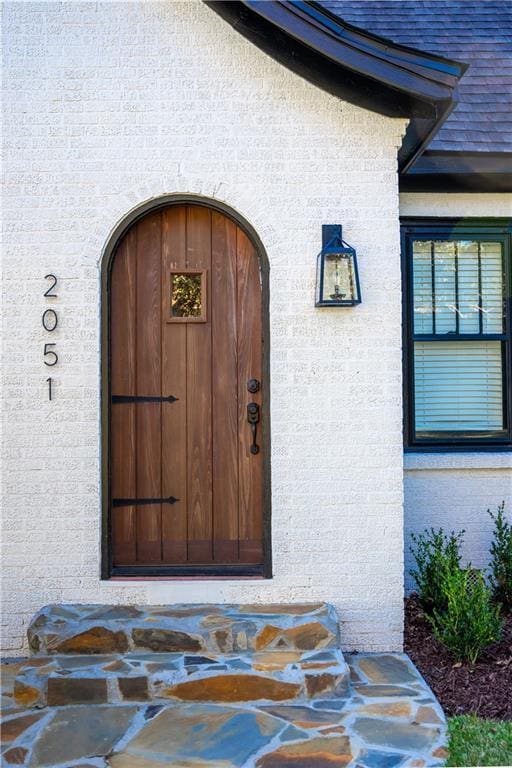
{"x":337,"y":278}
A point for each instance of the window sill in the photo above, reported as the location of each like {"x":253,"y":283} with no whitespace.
{"x":433,"y":461}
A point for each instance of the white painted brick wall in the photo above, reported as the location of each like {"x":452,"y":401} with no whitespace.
{"x":107,"y":105}
{"x":454,"y":491}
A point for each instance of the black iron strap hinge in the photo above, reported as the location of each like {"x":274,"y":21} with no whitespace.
{"x":143,"y":399}
{"x":138,"y":502}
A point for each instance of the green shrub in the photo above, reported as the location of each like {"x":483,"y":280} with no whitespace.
{"x":501,"y":563}
{"x":436,"y":555}
{"x":470,"y":621}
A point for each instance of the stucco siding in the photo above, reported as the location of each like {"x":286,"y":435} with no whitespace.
{"x":109,"y":105}
{"x":455,"y":204}
{"x":456,"y":498}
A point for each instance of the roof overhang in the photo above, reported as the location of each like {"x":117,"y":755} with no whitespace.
{"x":361,"y":68}
{"x":459,"y":172}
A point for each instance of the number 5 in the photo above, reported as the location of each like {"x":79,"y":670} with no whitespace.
{"x":47,"y":352}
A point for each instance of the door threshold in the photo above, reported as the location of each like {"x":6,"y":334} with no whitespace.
{"x":188,"y":578}
{"x":182,"y":573}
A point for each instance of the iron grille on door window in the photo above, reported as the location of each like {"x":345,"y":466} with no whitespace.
{"x":457,"y":291}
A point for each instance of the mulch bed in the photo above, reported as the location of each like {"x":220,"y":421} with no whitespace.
{"x":484,"y":689}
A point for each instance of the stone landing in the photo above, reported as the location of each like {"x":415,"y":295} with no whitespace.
{"x":147,"y":687}
{"x":224,"y":629}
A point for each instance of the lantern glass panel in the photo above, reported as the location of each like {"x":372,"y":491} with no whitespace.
{"x":339,"y":277}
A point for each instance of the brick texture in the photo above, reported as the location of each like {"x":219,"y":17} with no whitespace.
{"x":110,"y":104}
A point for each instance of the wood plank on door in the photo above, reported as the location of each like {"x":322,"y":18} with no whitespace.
{"x":250,"y":466}
{"x":149,"y":303}
{"x":224,"y":390}
{"x":199,"y":400}
{"x":174,"y":382}
{"x":123,"y":435}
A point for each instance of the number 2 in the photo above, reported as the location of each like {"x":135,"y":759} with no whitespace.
{"x":52,"y":286}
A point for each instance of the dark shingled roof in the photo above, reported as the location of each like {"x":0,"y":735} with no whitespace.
{"x":475,"y":31}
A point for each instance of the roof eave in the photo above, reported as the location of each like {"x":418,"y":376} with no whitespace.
{"x":420,"y":132}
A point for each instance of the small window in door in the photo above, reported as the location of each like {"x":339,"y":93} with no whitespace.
{"x":188,"y":296}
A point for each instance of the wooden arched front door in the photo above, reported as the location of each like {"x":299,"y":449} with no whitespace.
{"x":187,"y":397}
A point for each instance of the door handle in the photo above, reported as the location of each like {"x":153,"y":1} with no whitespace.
{"x":253,"y":417}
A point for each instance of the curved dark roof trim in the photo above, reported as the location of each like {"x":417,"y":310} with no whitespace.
{"x":443,"y":70}
{"x":359,"y":67}
{"x":441,"y":171}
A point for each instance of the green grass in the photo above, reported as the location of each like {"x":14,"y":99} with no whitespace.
{"x":479,"y":742}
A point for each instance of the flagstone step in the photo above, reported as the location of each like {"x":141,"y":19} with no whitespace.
{"x":263,"y":677}
{"x":192,"y":629}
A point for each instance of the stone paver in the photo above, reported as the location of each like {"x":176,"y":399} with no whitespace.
{"x":406,"y":736}
{"x":209,"y":733}
{"x":322,"y":751}
{"x":76,"y":732}
{"x":12,"y":729}
{"x":386,"y":668}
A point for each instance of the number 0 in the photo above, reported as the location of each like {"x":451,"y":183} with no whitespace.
{"x":50,"y":320}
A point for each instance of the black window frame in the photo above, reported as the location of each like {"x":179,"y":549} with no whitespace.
{"x":490,"y":229}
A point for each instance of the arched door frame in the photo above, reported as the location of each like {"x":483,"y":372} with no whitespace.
{"x":115,"y":238}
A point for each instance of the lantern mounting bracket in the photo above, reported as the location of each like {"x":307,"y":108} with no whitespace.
{"x":331,"y":235}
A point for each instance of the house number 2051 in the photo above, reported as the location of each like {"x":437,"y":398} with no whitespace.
{"x":50,"y":321}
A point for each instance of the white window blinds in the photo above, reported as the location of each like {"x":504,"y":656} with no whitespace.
{"x":458,"y":292}
{"x":458,"y":386}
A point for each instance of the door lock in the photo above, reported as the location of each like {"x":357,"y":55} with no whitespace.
{"x":253,"y":417}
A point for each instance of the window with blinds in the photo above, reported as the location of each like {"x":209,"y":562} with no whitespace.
{"x":458,"y":345}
